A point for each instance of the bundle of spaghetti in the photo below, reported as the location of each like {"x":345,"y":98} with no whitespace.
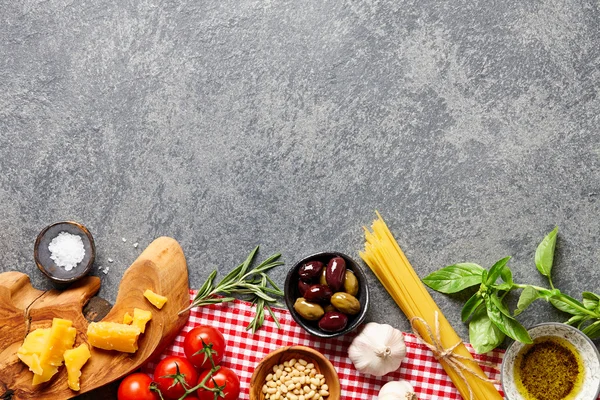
{"x":388,"y":262}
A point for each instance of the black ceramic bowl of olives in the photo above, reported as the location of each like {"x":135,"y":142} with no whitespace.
{"x":327,"y":294}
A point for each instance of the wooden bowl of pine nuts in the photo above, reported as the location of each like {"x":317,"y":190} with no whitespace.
{"x":295,"y":373}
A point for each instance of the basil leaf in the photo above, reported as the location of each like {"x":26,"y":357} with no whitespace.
{"x":528,"y":296}
{"x":495,"y":271}
{"x":503,"y":286}
{"x":559,"y":301}
{"x":507,"y":276}
{"x":510,"y":326}
{"x":454,"y":278}
{"x":576,"y":319}
{"x":471,"y":306}
{"x":547,"y":294}
{"x":580,"y":324}
{"x":590,"y":300}
{"x":483,"y":334}
{"x":501,"y":306}
{"x":593,"y":330}
{"x":544,"y":254}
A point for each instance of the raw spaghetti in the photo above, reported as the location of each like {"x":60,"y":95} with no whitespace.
{"x":388,"y":262}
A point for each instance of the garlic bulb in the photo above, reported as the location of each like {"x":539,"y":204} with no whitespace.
{"x":397,"y":390}
{"x":379,"y":349}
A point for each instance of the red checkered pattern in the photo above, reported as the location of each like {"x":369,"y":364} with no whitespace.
{"x":245,"y":350}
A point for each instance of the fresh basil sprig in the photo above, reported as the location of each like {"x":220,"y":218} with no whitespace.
{"x":490,"y":318}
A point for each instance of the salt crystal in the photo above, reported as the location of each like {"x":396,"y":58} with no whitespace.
{"x":106,"y":270}
{"x":110,"y":260}
{"x":124,"y":240}
{"x":135,"y":245}
{"x":66,"y":250}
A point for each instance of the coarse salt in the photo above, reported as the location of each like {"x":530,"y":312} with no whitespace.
{"x":66,"y":250}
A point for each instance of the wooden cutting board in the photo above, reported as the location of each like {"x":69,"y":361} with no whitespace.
{"x":161,"y":267}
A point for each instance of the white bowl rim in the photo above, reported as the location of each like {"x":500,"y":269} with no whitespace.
{"x":562,"y":325}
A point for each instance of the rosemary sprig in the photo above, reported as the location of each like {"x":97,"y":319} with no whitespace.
{"x":252,"y":284}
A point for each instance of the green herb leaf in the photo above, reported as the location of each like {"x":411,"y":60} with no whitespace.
{"x":205,"y":288}
{"x":528,"y":296}
{"x":273,"y":316}
{"x":243,"y":281}
{"x":504,"y":286}
{"x":566,"y":304}
{"x":484,"y":335}
{"x":546,"y":294}
{"x":507,"y":275}
{"x":495,"y":271}
{"x":232,"y":276}
{"x":544,"y":254}
{"x":510,"y":326}
{"x":593,"y":330}
{"x":454,"y":278}
{"x":576,"y":319}
{"x":471,"y":306}
{"x":248,"y":261}
{"x":591,"y":300}
{"x":500,"y":305}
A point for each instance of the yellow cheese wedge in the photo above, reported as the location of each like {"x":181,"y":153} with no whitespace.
{"x":157,"y":300}
{"x":113,"y":336}
{"x":32,"y":347}
{"x":47,"y":373}
{"x":74,"y":360}
{"x":62,"y":338}
{"x":127,"y":318}
{"x":140,"y":318}
{"x":42,"y":351}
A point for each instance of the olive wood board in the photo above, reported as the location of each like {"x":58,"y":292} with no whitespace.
{"x":161,"y":267}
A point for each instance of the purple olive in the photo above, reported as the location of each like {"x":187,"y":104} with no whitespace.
{"x":318,"y":294}
{"x":333,"y":321}
{"x":311,"y":270}
{"x":302,"y":287}
{"x":335,"y":273}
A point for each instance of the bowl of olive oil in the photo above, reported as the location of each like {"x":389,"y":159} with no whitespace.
{"x":561,"y":364}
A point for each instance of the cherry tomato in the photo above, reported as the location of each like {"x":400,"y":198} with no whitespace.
{"x":192,"y":346}
{"x":136,"y":387}
{"x":224,"y":376}
{"x":164,"y":376}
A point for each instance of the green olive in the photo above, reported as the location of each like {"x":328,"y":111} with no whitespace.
{"x":307,"y":310}
{"x":350,"y":283}
{"x":329,"y":307}
{"x":345,"y":303}
{"x":322,"y":279}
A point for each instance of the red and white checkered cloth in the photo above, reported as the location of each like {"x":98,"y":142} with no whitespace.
{"x":245,"y":350}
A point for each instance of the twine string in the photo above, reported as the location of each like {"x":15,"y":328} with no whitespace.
{"x":455,"y":361}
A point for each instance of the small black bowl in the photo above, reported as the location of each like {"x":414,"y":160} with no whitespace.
{"x":41,"y":253}
{"x":291,"y":293}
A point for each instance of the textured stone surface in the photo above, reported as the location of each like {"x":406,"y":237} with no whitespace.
{"x":472,"y":126}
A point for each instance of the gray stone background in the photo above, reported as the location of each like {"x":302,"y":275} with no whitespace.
{"x":472,"y":126}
